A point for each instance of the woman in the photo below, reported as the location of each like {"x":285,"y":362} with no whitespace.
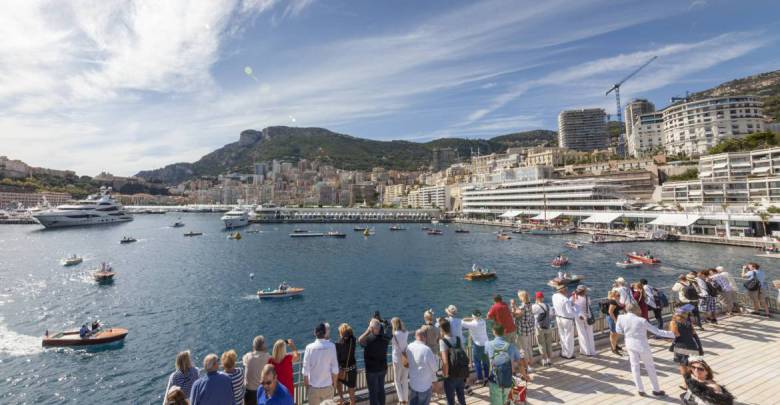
{"x":176,"y":396}
{"x":612,"y":314}
{"x":686,"y":342}
{"x":702,"y":390}
{"x":185,"y":374}
{"x":283,"y":362}
{"x":524,"y":319}
{"x":400,"y":373}
{"x":453,"y":386}
{"x":581,"y":303}
{"x":638,"y":292}
{"x":345,"y":354}
{"x":236,"y":375}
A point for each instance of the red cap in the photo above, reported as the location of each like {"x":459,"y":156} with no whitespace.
{"x":539,"y":294}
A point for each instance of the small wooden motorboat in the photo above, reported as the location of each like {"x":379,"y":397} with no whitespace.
{"x":72,"y":338}
{"x":71,"y":261}
{"x":128,"y":239}
{"x":177,"y":224}
{"x":571,"y":280}
{"x":335,"y":234}
{"x":627,"y":264}
{"x":279,"y":293}
{"x":397,"y":228}
{"x":573,"y":245}
{"x":459,"y":230}
{"x":193,"y":233}
{"x":480,"y":275}
{"x":435,"y":232}
{"x":643,"y":258}
{"x":360,"y":228}
{"x":234,"y":236}
{"x":560,"y":261}
{"x":104,"y":274}
{"x":503,"y":236}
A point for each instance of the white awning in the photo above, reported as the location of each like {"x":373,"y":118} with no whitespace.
{"x":675,"y":220}
{"x":547,"y":216}
{"x":510,"y":214}
{"x":761,"y":169}
{"x":720,"y":166}
{"x":705,"y":174}
{"x":603,"y":218}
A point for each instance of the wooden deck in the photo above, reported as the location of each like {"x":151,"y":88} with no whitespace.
{"x":744,"y":352}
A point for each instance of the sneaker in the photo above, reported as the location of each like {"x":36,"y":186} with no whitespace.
{"x":659,"y":393}
{"x":642,"y":394}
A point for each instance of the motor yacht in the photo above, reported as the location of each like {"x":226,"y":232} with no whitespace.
{"x":96,"y":209}
{"x":235,"y":218}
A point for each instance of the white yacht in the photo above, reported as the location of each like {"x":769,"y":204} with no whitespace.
{"x":94,"y":210}
{"x":235,"y":218}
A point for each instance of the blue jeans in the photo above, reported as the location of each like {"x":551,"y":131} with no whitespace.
{"x":376,"y":387}
{"x":479,"y":358}
{"x":419,"y":398}
{"x":453,"y":387}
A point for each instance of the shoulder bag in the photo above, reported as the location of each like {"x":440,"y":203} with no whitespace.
{"x":404,"y":358}
{"x":343,"y":370}
{"x":591,"y":319}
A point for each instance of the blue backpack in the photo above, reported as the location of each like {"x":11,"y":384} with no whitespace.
{"x":661,"y":300}
{"x":501,"y":367}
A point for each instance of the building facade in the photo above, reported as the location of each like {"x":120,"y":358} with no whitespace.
{"x":734,"y":165}
{"x":645,"y":137}
{"x":583,"y":130}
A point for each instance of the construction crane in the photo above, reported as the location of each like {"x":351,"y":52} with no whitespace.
{"x":616,"y":87}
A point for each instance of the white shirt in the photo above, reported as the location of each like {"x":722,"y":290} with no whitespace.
{"x":538,"y":309}
{"x":580,"y":304}
{"x":422,"y":366}
{"x":563,"y":307}
{"x":455,"y":328}
{"x":477,"y":330}
{"x":320,"y":363}
{"x":649,"y":296}
{"x":702,"y":287}
{"x":625,"y":295}
{"x":635,"y":329}
{"x":399,"y":342}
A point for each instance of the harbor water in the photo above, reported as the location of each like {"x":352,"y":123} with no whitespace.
{"x":174,"y":292}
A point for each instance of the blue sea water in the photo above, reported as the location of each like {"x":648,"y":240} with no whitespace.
{"x":175,"y":293}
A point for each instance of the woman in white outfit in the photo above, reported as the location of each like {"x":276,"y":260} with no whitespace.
{"x":581,"y":302}
{"x":400,"y":373}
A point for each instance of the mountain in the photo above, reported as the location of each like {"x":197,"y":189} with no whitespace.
{"x":764,"y":85}
{"x":339,"y":150}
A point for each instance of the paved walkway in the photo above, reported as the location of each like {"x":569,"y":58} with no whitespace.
{"x":744,"y":352}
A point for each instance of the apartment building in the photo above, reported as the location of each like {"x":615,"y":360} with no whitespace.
{"x":583,"y":130}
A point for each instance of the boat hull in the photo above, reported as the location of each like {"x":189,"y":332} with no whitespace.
{"x":72,"y":339}
{"x":276,"y":294}
{"x":62,"y":221}
{"x":232,"y":223}
{"x":643,"y":260}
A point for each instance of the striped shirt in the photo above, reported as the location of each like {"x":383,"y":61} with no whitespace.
{"x":183,"y":379}
{"x":237,"y":380}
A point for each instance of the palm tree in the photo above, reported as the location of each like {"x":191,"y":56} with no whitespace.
{"x":764,"y":219}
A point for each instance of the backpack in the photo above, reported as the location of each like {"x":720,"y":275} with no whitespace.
{"x":713,"y":289}
{"x":457,"y":360}
{"x":501,"y":373}
{"x":604,"y":307}
{"x":752,"y":284}
{"x":690,"y":293}
{"x":543,"y":319}
{"x":661,"y":300}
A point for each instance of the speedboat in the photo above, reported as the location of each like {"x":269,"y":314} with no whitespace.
{"x":104,"y":274}
{"x":177,"y":224}
{"x":193,"y":233}
{"x":480,"y":275}
{"x":560,"y":261}
{"x":459,"y":230}
{"x":72,"y":260}
{"x":627,"y":264}
{"x":570,"y":280}
{"x":397,"y":228}
{"x":234,"y":236}
{"x":97,"y":209}
{"x":307,"y":235}
{"x":573,"y":245}
{"x":279,"y":293}
{"x":503,"y":236}
{"x":128,"y":239}
{"x":335,"y":234}
{"x":72,"y":338}
{"x":435,"y":232}
{"x":643,"y":258}
{"x":368,"y":232}
{"x":360,"y":228}
{"x":235,"y":218}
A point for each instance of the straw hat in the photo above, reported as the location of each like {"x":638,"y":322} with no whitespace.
{"x":582,"y":288}
{"x":690,"y":277}
{"x":451,"y":310}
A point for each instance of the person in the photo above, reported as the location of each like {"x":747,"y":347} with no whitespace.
{"x":213,"y":388}
{"x":639,"y":297}
{"x":95,"y":326}
{"x":84,"y":331}
{"x":254,"y":362}
{"x":565,"y":313}
{"x":753,"y":271}
{"x":374,"y":342}
{"x":184,"y":376}
{"x":273,"y":392}
{"x":524,"y":321}
{"x":543,"y":315}
{"x":283,"y":362}
{"x":345,"y":353}
{"x":688,"y":293}
{"x":422,"y":369}
{"x":455,"y":322}
{"x":236,"y":375}
{"x":613,"y":311}
{"x":505,"y":360}
{"x":653,"y":301}
{"x":626,"y":295}
{"x":635,"y":329}
{"x":701,"y":387}
{"x":581,"y":302}
{"x":175,"y":396}
{"x":707,"y":300}
{"x":501,"y":314}
{"x":728,"y":295}
{"x":686,"y":341}
{"x":320,"y":366}
{"x":454,"y":378}
{"x":431,"y":331}
{"x":478,"y":333}
{"x":400,"y":373}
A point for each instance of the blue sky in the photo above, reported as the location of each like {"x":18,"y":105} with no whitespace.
{"x":125,"y":86}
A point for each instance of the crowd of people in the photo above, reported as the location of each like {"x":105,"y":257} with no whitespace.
{"x":435,"y":361}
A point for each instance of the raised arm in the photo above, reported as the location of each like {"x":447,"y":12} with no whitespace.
{"x":658,"y":332}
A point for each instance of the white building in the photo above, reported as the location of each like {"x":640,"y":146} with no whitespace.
{"x":583,"y":130}
{"x":645,"y":136}
{"x":733,"y":165}
{"x":763,"y":191}
{"x":430,"y":197}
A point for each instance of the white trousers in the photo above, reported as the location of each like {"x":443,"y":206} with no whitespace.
{"x":566,"y":333}
{"x":646,"y":358}
{"x":401,"y":379}
{"x":585,"y":337}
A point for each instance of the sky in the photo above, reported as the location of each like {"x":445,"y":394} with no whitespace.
{"x":124,"y":86}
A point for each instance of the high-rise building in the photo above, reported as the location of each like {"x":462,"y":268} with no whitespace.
{"x":443,"y":158}
{"x":583,"y":130}
{"x":633,"y":110}
{"x":646,"y":134}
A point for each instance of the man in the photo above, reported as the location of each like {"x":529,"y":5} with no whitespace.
{"x":501,"y":314}
{"x":214,"y":388}
{"x":653,"y":302}
{"x":431,"y":331}
{"x":455,"y":322}
{"x":688,"y":293}
{"x":374,"y":341}
{"x":625,"y":292}
{"x":635,"y":329}
{"x":320,"y":366}
{"x":422,"y":369}
{"x":84,"y":331}
{"x":728,"y":296}
{"x":565,"y":314}
{"x":254,"y":362}
{"x":273,"y":393}
{"x":478,"y":331}
{"x":505,"y":360}
{"x":543,"y":315}
{"x":753,"y":271}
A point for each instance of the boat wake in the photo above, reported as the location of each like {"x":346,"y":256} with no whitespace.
{"x":15,"y":344}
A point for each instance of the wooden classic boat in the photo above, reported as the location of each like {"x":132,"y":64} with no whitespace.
{"x":480,"y":275}
{"x":72,"y":338}
{"x":191,"y":233}
{"x":459,"y":230}
{"x":628,"y":263}
{"x":435,"y":232}
{"x":503,"y":236}
{"x":104,"y":274}
{"x":128,"y":239}
{"x":560,"y":261}
{"x":71,"y":261}
{"x":568,"y":281}
{"x":235,"y":236}
{"x":279,"y":293}
{"x":573,"y":245}
{"x":645,"y":258}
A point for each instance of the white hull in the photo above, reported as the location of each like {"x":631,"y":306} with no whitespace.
{"x":58,"y":220}
{"x":231,"y":223}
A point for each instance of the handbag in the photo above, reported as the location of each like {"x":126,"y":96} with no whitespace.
{"x":752,"y":284}
{"x":404,"y":358}
{"x":343,"y":370}
{"x":591,"y":319}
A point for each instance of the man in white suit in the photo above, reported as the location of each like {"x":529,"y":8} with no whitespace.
{"x":635,"y":329}
{"x":565,"y":314}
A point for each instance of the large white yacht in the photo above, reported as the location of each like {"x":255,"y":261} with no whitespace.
{"x":235,"y":218}
{"x":94,"y":210}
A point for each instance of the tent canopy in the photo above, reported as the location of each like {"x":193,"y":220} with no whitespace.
{"x":547,"y":216}
{"x":603,"y":218}
{"x":510,"y":214}
{"x":675,"y":220}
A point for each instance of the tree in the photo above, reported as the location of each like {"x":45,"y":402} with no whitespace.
{"x":764,"y":216}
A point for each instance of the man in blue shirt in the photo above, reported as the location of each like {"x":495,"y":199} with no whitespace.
{"x":272,"y":393}
{"x":751,"y":271}
{"x":214,"y":388}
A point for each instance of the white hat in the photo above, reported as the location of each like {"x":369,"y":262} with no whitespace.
{"x":620,"y":280}
{"x":451,"y":310}
{"x":720,"y":268}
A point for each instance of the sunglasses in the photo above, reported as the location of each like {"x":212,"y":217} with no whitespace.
{"x":266,"y":383}
{"x":697,"y":368}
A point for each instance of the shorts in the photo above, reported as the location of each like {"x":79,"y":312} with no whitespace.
{"x":757,"y":295}
{"x":612,"y":324}
{"x":351,"y":379}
